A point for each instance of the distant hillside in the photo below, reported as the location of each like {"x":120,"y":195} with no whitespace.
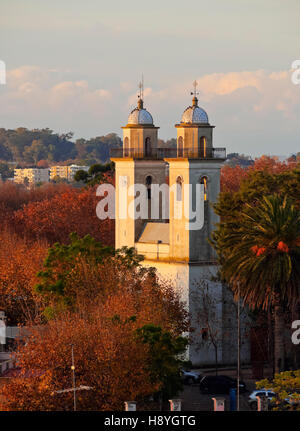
{"x":234,"y":159}
{"x":28,"y":147}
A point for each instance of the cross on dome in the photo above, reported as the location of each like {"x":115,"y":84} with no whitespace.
{"x":141,"y":87}
{"x":195,"y":93}
{"x":194,"y":114}
{"x":140,"y":115}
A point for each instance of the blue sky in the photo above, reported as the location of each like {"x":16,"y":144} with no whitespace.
{"x":75,"y":65}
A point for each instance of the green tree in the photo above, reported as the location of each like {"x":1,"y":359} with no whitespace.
{"x":97,"y":173}
{"x":37,"y":151}
{"x":57,"y":279}
{"x":81,"y":175}
{"x":31,"y":146}
{"x":6,"y":171}
{"x":259,"y":252}
{"x":96,"y":169}
{"x":166,"y":353}
{"x":97,"y":148}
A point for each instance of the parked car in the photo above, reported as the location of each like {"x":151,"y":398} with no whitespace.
{"x":258,"y":393}
{"x":189,"y":377}
{"x":293,"y":400}
{"x":220,"y":384}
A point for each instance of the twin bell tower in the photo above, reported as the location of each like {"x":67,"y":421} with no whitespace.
{"x":157,"y":189}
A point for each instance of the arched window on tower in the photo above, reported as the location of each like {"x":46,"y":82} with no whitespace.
{"x":179,"y":189}
{"x":148,"y":147}
{"x":202,"y":147}
{"x":126,"y":147}
{"x":180,"y":147}
{"x":204,"y":182}
{"x":148,"y":183}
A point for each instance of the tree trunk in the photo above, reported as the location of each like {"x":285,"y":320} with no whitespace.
{"x":271,"y":341}
{"x":216,"y":359}
{"x":278,"y":337}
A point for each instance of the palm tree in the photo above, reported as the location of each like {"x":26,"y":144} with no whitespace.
{"x":260,"y":257}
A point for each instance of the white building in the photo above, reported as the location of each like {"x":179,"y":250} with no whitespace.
{"x":66,"y":172}
{"x":31,"y":176}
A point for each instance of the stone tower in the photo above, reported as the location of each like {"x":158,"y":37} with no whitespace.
{"x":179,"y":253}
{"x":137,"y":163}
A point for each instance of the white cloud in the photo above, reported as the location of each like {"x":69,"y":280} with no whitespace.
{"x":32,"y":74}
{"x":241,"y":104}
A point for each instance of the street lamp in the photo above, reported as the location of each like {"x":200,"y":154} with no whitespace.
{"x":74,"y":389}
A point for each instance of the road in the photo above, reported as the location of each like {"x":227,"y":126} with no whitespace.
{"x":193,"y":399}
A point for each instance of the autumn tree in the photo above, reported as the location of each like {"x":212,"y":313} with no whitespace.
{"x":234,"y":175}
{"x":20,"y":260}
{"x":84,"y":270}
{"x":113,"y":357}
{"x":13,"y":197}
{"x":42,"y":164}
{"x":124,"y":324}
{"x":286,"y":386}
{"x":55,"y":218}
{"x":231,"y":177}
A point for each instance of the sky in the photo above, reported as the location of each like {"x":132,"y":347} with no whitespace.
{"x":75,"y":66}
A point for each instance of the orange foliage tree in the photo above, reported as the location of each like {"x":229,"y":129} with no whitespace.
{"x":56,"y":217}
{"x":109,"y":358}
{"x":233,"y":176}
{"x":14,"y":196}
{"x":84,"y":272}
{"x":105,"y":329}
{"x":125,"y":326}
{"x":20,"y":261}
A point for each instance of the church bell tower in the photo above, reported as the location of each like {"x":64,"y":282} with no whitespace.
{"x":180,"y":254}
{"x":137,"y":163}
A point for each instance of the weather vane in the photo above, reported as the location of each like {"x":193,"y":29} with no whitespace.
{"x":141,"y":87}
{"x":195,"y":83}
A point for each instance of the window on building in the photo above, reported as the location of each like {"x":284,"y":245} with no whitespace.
{"x":148,"y":147}
{"x":202,"y":147}
{"x":204,"y":333}
{"x":179,"y":189}
{"x":126,"y":147}
{"x":204,"y":182}
{"x":148,"y":183}
{"x":180,"y":147}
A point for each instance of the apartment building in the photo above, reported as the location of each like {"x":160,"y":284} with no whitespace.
{"x":66,"y":172}
{"x":31,"y":175}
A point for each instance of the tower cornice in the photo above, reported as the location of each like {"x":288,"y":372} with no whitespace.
{"x":139,"y":126}
{"x":194,"y":125}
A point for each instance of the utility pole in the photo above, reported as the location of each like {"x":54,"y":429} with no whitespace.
{"x":74,"y":380}
{"x":74,"y":389}
{"x":238,"y":350}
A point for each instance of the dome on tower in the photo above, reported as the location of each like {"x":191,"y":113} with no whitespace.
{"x":140,"y":115}
{"x":194,"y":114}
